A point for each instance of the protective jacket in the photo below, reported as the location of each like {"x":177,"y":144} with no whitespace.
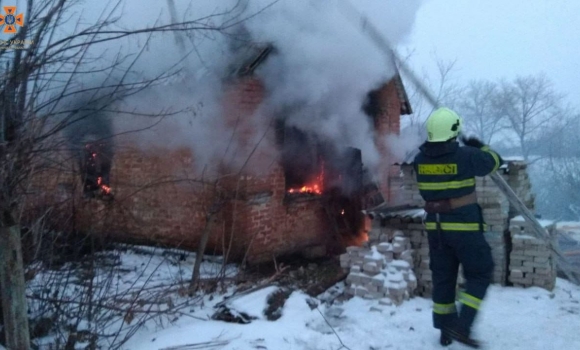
{"x":445,"y":170}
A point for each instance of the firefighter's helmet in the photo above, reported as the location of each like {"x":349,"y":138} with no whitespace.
{"x":443,"y":125}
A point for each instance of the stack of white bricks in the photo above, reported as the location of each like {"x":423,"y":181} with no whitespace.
{"x":420,"y":245}
{"x":532,"y":262}
{"x":383,"y":271}
{"x":495,"y":208}
{"x":408,"y":223}
{"x":519,"y":181}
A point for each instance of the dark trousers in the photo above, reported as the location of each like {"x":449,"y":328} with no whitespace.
{"x":447,"y":251}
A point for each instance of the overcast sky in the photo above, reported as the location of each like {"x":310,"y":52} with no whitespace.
{"x":502,"y":38}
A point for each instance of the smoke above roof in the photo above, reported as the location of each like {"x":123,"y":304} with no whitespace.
{"x":318,"y":79}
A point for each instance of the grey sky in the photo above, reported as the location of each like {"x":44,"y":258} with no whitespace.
{"x":502,"y":38}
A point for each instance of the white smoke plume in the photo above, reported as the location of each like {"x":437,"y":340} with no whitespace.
{"x":404,"y":146}
{"x":322,"y":70}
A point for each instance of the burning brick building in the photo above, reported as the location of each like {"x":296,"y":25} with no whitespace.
{"x":308,"y":201}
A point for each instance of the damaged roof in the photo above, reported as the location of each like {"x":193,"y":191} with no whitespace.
{"x":251,"y":58}
{"x":252,"y":55}
{"x":403,"y":97}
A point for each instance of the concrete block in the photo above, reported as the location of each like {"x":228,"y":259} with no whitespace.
{"x":371,"y":269}
{"x":356,"y":260}
{"x":361,"y":292}
{"x":400,"y":265}
{"x":365,"y":279}
{"x":543,"y":265}
{"x":403,"y":240}
{"x":398,"y":247}
{"x":516,"y":274}
{"x":386,"y":302}
{"x":388,"y":257}
{"x":526,"y":281}
{"x":543,"y":271}
{"x":384,"y":247}
{"x":352,"y":279}
{"x":539,"y":253}
{"x":541,"y":259}
{"x":378,"y":280}
{"x":372,"y":260}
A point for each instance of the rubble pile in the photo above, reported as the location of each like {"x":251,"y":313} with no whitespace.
{"x":383,"y":271}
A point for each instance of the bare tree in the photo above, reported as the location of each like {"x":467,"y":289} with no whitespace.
{"x":36,"y":81}
{"x":559,"y":173}
{"x":442,"y":83}
{"x":530,"y":105}
{"x":477,"y":106}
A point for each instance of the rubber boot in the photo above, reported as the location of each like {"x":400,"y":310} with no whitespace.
{"x":445,"y":340}
{"x":461,"y":336}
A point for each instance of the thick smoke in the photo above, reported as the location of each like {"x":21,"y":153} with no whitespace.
{"x":326,"y":66}
{"x":318,"y":78}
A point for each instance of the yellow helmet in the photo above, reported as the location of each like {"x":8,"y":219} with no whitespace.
{"x":443,"y":125}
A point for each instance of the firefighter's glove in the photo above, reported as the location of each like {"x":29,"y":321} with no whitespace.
{"x":472,"y":141}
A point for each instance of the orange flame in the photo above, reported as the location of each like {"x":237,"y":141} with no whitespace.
{"x":314,"y":187}
{"x":105,"y":188}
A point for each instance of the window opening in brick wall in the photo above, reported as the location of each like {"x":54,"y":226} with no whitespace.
{"x":314,"y":168}
{"x":95,"y":170}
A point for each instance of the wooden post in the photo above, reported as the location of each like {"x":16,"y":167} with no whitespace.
{"x":13,"y":289}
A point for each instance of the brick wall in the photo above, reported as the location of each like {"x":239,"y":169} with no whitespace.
{"x":159,"y":197}
{"x":387,"y":121}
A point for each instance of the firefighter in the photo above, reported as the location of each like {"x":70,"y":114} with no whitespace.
{"x":446,"y":178}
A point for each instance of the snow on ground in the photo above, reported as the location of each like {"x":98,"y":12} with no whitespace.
{"x":131,"y":285}
{"x":511,"y":319}
{"x":572,"y":228}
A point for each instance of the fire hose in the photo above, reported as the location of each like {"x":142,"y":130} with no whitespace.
{"x":365,"y":26}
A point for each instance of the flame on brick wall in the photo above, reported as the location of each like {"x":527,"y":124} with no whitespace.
{"x":315,"y":186}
